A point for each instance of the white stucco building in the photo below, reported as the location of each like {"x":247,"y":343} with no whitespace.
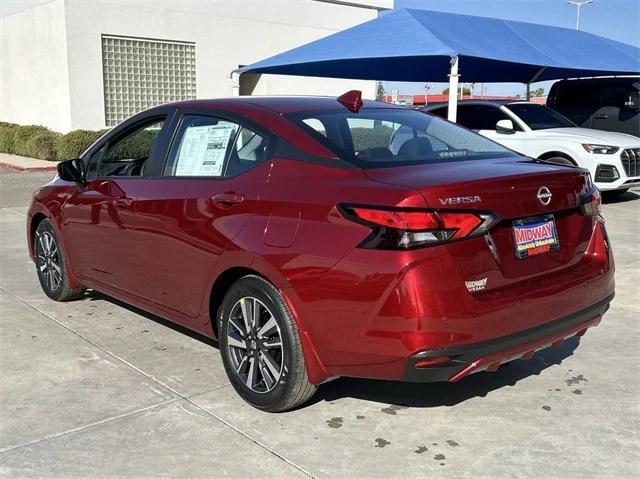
{"x":69,"y":64}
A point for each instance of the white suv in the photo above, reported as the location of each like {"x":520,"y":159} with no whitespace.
{"x":539,"y":132}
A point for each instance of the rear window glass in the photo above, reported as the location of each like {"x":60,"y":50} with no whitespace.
{"x":395,"y":137}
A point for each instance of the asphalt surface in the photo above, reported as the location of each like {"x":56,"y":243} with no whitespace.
{"x":95,"y":388}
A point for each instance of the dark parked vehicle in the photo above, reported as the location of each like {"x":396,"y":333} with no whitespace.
{"x":611,"y":104}
{"x":288,"y":229}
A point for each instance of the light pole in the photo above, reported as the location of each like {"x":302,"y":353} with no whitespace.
{"x":578,"y":4}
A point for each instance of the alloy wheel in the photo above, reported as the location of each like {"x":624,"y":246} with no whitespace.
{"x":48,"y":261}
{"x":254,"y":342}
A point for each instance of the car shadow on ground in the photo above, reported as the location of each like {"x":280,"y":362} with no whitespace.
{"x":625,"y":198}
{"x":397,"y":393}
{"x":444,"y":394}
{"x":97,"y":296}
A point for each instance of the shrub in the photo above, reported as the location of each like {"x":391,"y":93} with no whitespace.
{"x":73,"y":144}
{"x":4,"y":124}
{"x":22,"y":135}
{"x":43,"y":145}
{"x":365,"y":138}
{"x":7,"y":135}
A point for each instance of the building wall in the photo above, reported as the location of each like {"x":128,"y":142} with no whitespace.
{"x":227,"y":34}
{"x":34,"y":81}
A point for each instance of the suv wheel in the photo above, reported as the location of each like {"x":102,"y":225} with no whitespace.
{"x":51,"y":265}
{"x":260,"y":346}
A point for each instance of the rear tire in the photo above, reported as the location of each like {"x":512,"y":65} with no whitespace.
{"x":261,"y":352}
{"x":614,"y":194}
{"x":51,"y":265}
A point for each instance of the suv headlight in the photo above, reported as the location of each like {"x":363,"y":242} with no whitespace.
{"x":600,"y":149}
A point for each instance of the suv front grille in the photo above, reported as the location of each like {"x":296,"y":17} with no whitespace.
{"x":631,"y":161}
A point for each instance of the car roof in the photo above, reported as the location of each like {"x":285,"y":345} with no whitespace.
{"x":626,"y":80}
{"x":280,"y":104}
{"x":433,"y":106}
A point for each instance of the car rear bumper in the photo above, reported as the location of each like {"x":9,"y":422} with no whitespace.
{"x":461,"y":361}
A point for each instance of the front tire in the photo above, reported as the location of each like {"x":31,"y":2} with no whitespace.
{"x":614,"y":194}
{"x":260,"y":346}
{"x":52,"y":266}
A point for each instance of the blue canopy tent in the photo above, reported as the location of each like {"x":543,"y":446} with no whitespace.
{"x":422,"y":45}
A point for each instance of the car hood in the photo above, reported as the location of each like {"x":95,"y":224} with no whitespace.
{"x":588,"y":135}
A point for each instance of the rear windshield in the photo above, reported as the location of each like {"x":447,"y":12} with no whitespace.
{"x":395,"y":137}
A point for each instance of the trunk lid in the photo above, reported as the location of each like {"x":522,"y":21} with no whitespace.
{"x":510,"y":190}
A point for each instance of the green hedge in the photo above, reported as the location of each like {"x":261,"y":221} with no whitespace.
{"x":73,"y":144}
{"x":43,"y":146}
{"x":365,"y":138}
{"x":39,"y":142}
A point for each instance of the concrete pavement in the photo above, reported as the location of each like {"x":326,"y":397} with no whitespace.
{"x":95,"y":388}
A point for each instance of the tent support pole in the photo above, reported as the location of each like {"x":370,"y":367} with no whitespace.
{"x":452,"y":114}
{"x":533,"y":79}
{"x":235,"y":83}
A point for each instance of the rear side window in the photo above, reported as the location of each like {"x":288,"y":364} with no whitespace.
{"x":577,"y":95}
{"x":211,"y":147}
{"x":394,"y":137}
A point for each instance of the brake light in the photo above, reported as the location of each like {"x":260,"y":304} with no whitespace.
{"x":402,"y":220}
{"x":403,"y":228}
{"x":590,"y":203}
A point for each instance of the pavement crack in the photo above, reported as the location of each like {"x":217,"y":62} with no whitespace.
{"x":86,"y":426}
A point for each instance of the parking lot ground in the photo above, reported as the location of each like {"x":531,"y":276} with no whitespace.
{"x":94,"y":388}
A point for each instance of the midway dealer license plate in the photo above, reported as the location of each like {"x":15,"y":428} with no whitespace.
{"x":534,"y":236}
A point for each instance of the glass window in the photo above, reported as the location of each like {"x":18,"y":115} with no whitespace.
{"x":538,"y":117}
{"x":481,"y":117}
{"x":393,"y":137}
{"x":614,"y":95}
{"x":201,"y":147}
{"x":140,"y":73}
{"x":249,"y":150}
{"x":128,"y":155}
{"x":576,"y":95}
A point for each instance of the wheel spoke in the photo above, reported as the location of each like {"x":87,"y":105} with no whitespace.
{"x":43,"y":267}
{"x":236,"y":343}
{"x":269,"y":380}
{"x":255,"y":319}
{"x":251,"y":375}
{"x":268,"y":361}
{"x":247,"y":313}
{"x":269,"y":326}
{"x":242,"y":363}
{"x":56,"y":267}
{"x":240,"y":330}
{"x":274,"y":344}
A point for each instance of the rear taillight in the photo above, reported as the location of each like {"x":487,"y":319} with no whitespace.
{"x":590,"y":203}
{"x":404,"y":228}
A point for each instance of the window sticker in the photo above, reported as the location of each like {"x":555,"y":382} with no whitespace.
{"x":203,"y":149}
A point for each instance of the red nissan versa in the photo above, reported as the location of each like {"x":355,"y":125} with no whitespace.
{"x":314,"y":241}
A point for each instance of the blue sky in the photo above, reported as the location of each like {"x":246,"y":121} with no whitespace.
{"x":615,"y":19}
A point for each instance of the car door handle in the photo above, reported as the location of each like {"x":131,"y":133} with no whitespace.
{"x":602,"y":116}
{"x":122,"y":202}
{"x":227,"y":200}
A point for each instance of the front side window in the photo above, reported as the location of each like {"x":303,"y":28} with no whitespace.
{"x":211,"y":147}
{"x":394,"y":137}
{"x":128,"y":156}
{"x":538,"y":117}
{"x":481,"y":117}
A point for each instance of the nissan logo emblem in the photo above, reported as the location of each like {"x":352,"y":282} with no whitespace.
{"x":544,"y":195}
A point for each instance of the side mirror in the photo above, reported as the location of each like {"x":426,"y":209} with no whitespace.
{"x":633,"y":101}
{"x":72,"y":170}
{"x":505,"y":127}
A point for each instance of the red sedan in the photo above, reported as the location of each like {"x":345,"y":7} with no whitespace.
{"x":324,"y":237}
